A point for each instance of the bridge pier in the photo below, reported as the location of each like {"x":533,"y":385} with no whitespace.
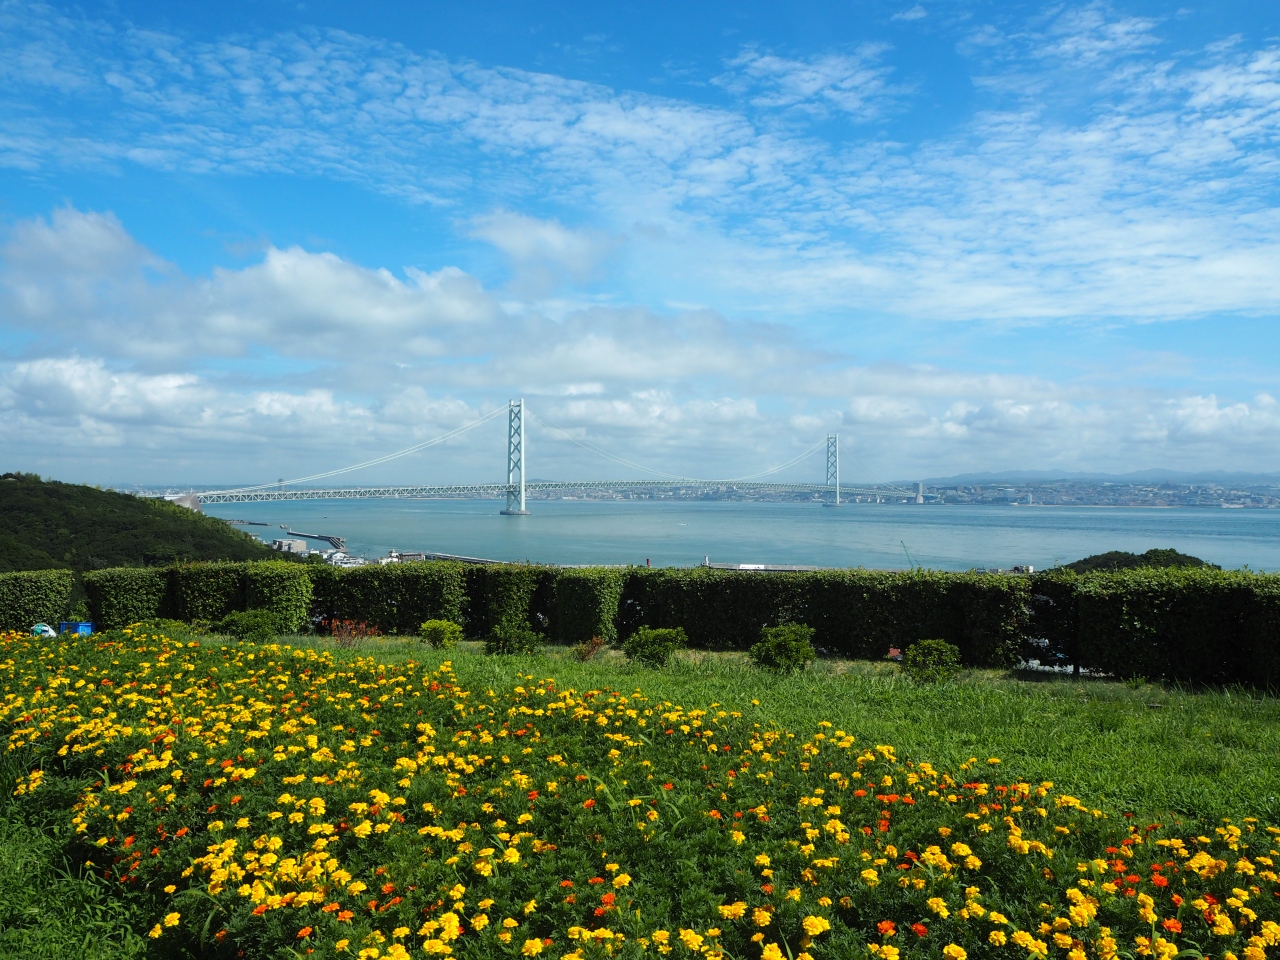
{"x":833,"y":468}
{"x":515,"y":460}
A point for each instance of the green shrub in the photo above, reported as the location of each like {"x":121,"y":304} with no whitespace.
{"x":125,"y":595}
{"x":256,"y":626}
{"x":931,"y":661}
{"x":33,"y":596}
{"x":586,"y":605}
{"x":784,"y":648}
{"x":508,"y":638}
{"x":395,"y":597}
{"x":587,"y":651}
{"x":162,"y":626}
{"x":207,"y":591}
{"x":653,"y":646}
{"x":856,"y":614}
{"x":281,"y":587}
{"x":508,"y":594}
{"x":441,"y":634}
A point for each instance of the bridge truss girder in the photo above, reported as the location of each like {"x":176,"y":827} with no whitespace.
{"x":498,"y":491}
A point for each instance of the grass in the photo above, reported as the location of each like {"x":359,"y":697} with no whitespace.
{"x":1151,"y":750}
{"x":1159,"y":753}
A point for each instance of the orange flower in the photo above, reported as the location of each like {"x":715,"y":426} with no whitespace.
{"x":919,"y":929}
{"x":1173,"y":926}
{"x":589,"y":803}
{"x":304,"y":933}
{"x":887,"y":928}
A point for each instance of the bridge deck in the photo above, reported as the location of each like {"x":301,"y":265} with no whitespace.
{"x":497,"y":491}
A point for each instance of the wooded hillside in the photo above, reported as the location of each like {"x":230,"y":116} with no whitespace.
{"x":46,"y":524}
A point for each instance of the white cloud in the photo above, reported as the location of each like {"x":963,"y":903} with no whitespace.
{"x":914,"y":13}
{"x":543,"y":253}
{"x":1150,"y":198}
{"x":690,"y":393}
{"x":853,"y":84}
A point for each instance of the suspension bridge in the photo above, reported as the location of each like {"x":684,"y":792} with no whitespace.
{"x":516,"y":489}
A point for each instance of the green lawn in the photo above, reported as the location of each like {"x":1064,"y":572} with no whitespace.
{"x":1150,"y":750}
{"x":1156,"y":752}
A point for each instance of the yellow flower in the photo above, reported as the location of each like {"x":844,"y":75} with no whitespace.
{"x":771,"y":952}
{"x":733,"y":911}
{"x":341,"y":945}
{"x":171,"y":919}
{"x":479,"y":921}
{"x":814,"y":926}
{"x":760,"y":917}
{"x":531,"y":948}
{"x":155,"y":932}
{"x":691,"y":940}
{"x":953,"y":952}
{"x":621,"y":880}
{"x":997,"y":938}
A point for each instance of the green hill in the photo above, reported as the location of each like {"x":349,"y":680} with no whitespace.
{"x":46,"y":524}
{"x":1123,"y":560}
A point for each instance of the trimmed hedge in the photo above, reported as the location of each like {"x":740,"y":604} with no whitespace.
{"x":395,"y":597}
{"x":1187,"y":625}
{"x":857,"y":614}
{"x":587,"y":604}
{"x":1194,"y":625}
{"x":517,"y":596}
{"x":125,"y":595}
{"x":280,"y":587}
{"x":207,"y":591}
{"x":33,"y":596}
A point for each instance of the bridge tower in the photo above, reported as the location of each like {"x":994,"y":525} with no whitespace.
{"x":833,"y":466}
{"x":515,"y":460}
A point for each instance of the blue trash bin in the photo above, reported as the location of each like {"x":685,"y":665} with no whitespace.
{"x":81,"y":627}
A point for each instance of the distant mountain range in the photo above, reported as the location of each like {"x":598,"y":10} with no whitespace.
{"x":1138,"y":476}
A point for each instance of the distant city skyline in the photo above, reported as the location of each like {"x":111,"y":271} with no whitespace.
{"x":254,"y":240}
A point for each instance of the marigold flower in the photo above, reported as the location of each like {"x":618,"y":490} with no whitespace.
{"x":814,"y":926}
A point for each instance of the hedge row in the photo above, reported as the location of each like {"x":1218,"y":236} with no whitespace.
{"x":1185,"y":624}
{"x":31,"y":597}
{"x":198,"y":591}
{"x":1194,"y":625}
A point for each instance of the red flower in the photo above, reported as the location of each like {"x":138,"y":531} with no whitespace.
{"x":887,"y":928}
{"x":1160,"y":881}
{"x":589,"y":803}
{"x":595,"y":880}
{"x":668,"y":786}
{"x":919,"y":929}
{"x":566,"y":883}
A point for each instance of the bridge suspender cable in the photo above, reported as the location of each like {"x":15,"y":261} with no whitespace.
{"x":587,"y":445}
{"x":371,"y":463}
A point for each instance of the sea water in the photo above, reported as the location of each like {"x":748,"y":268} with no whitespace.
{"x":685,"y":533}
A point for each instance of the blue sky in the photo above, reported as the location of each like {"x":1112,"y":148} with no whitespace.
{"x":250,"y":240}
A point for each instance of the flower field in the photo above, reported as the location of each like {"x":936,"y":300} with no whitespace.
{"x":260,"y":801}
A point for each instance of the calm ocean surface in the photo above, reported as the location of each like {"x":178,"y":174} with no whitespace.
{"x":683,"y":533}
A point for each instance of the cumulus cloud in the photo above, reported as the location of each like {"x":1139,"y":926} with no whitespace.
{"x":543,"y":253}
{"x":688,"y":392}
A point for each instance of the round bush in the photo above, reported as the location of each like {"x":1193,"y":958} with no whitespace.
{"x":652,"y":646}
{"x":256,"y":626}
{"x":441,"y":634}
{"x":931,"y":661}
{"x":784,"y":648}
{"x":509,"y":639}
